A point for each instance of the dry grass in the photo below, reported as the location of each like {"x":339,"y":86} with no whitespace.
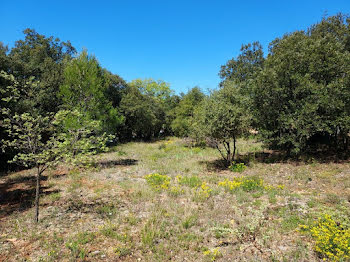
{"x":109,"y":213}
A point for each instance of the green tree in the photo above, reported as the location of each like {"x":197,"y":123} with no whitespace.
{"x":152,"y":88}
{"x":245,"y":66}
{"x":144,"y":117}
{"x":301,"y":96}
{"x":25,"y":135}
{"x":85,"y":89}
{"x":223,"y":118}
{"x":42,"y":141}
{"x":184,"y":112}
{"x":43,"y":58}
{"x":116,"y":88}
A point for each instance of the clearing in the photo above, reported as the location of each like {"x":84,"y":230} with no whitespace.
{"x":111,"y":213}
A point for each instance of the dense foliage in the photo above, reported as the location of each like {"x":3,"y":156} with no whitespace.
{"x":300,"y":93}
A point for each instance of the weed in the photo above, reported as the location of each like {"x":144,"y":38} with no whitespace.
{"x":75,"y":244}
{"x":122,"y":251}
{"x":237,"y":167}
{"x":189,"y":221}
{"x":202,"y":192}
{"x":109,"y":230}
{"x":55,"y":196}
{"x":157,"y":181}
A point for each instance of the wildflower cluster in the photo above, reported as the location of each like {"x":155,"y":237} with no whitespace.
{"x":237,"y":167}
{"x":247,"y":184}
{"x":202,"y":192}
{"x":213,"y":254}
{"x":332,"y":239}
{"x":158,"y":182}
{"x":163,"y":182}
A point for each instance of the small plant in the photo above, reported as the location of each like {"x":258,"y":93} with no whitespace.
{"x":237,"y":167}
{"x":189,"y":221}
{"x":202,"y":192}
{"x":109,"y":231}
{"x":158,"y":182}
{"x":332,"y":240}
{"x":212,"y":254}
{"x":175,"y":191}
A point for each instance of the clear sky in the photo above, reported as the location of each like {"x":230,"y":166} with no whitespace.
{"x":181,"y":42}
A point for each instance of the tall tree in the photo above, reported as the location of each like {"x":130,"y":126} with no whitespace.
{"x":303,"y":92}
{"x":144,"y":117}
{"x":85,"y":88}
{"x":184,"y":112}
{"x":43,"y":58}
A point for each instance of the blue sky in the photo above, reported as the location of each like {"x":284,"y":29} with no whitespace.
{"x":181,"y":42}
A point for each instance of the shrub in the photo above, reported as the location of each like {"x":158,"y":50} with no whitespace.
{"x":332,"y":240}
{"x":237,"y":167}
{"x":158,"y":181}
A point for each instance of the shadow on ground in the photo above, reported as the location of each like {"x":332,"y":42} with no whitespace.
{"x":273,"y":157}
{"x":119,"y":162}
{"x":18,"y":194}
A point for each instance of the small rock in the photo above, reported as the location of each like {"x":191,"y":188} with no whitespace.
{"x":95,"y":253}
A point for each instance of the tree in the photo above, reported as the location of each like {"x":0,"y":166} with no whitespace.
{"x":157,"y":89}
{"x":116,"y":88}
{"x":79,"y":138}
{"x":146,"y":105}
{"x":43,"y":141}
{"x":144,"y":117}
{"x":25,"y":135}
{"x":85,"y":89}
{"x":223,"y":118}
{"x":245,"y":66}
{"x":43,"y":58}
{"x":184,"y":111}
{"x":301,"y":96}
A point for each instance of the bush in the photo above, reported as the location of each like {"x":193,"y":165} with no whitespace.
{"x":332,"y":240}
{"x":237,"y":167}
{"x":157,"y":181}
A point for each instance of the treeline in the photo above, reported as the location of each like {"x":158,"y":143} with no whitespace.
{"x":296,"y":97}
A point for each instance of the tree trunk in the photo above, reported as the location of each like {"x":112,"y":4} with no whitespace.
{"x":234,"y":148}
{"x":37,"y":195}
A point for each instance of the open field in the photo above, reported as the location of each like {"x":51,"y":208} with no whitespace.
{"x":111,"y":213}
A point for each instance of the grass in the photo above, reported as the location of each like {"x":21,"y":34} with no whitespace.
{"x":112,"y":213}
